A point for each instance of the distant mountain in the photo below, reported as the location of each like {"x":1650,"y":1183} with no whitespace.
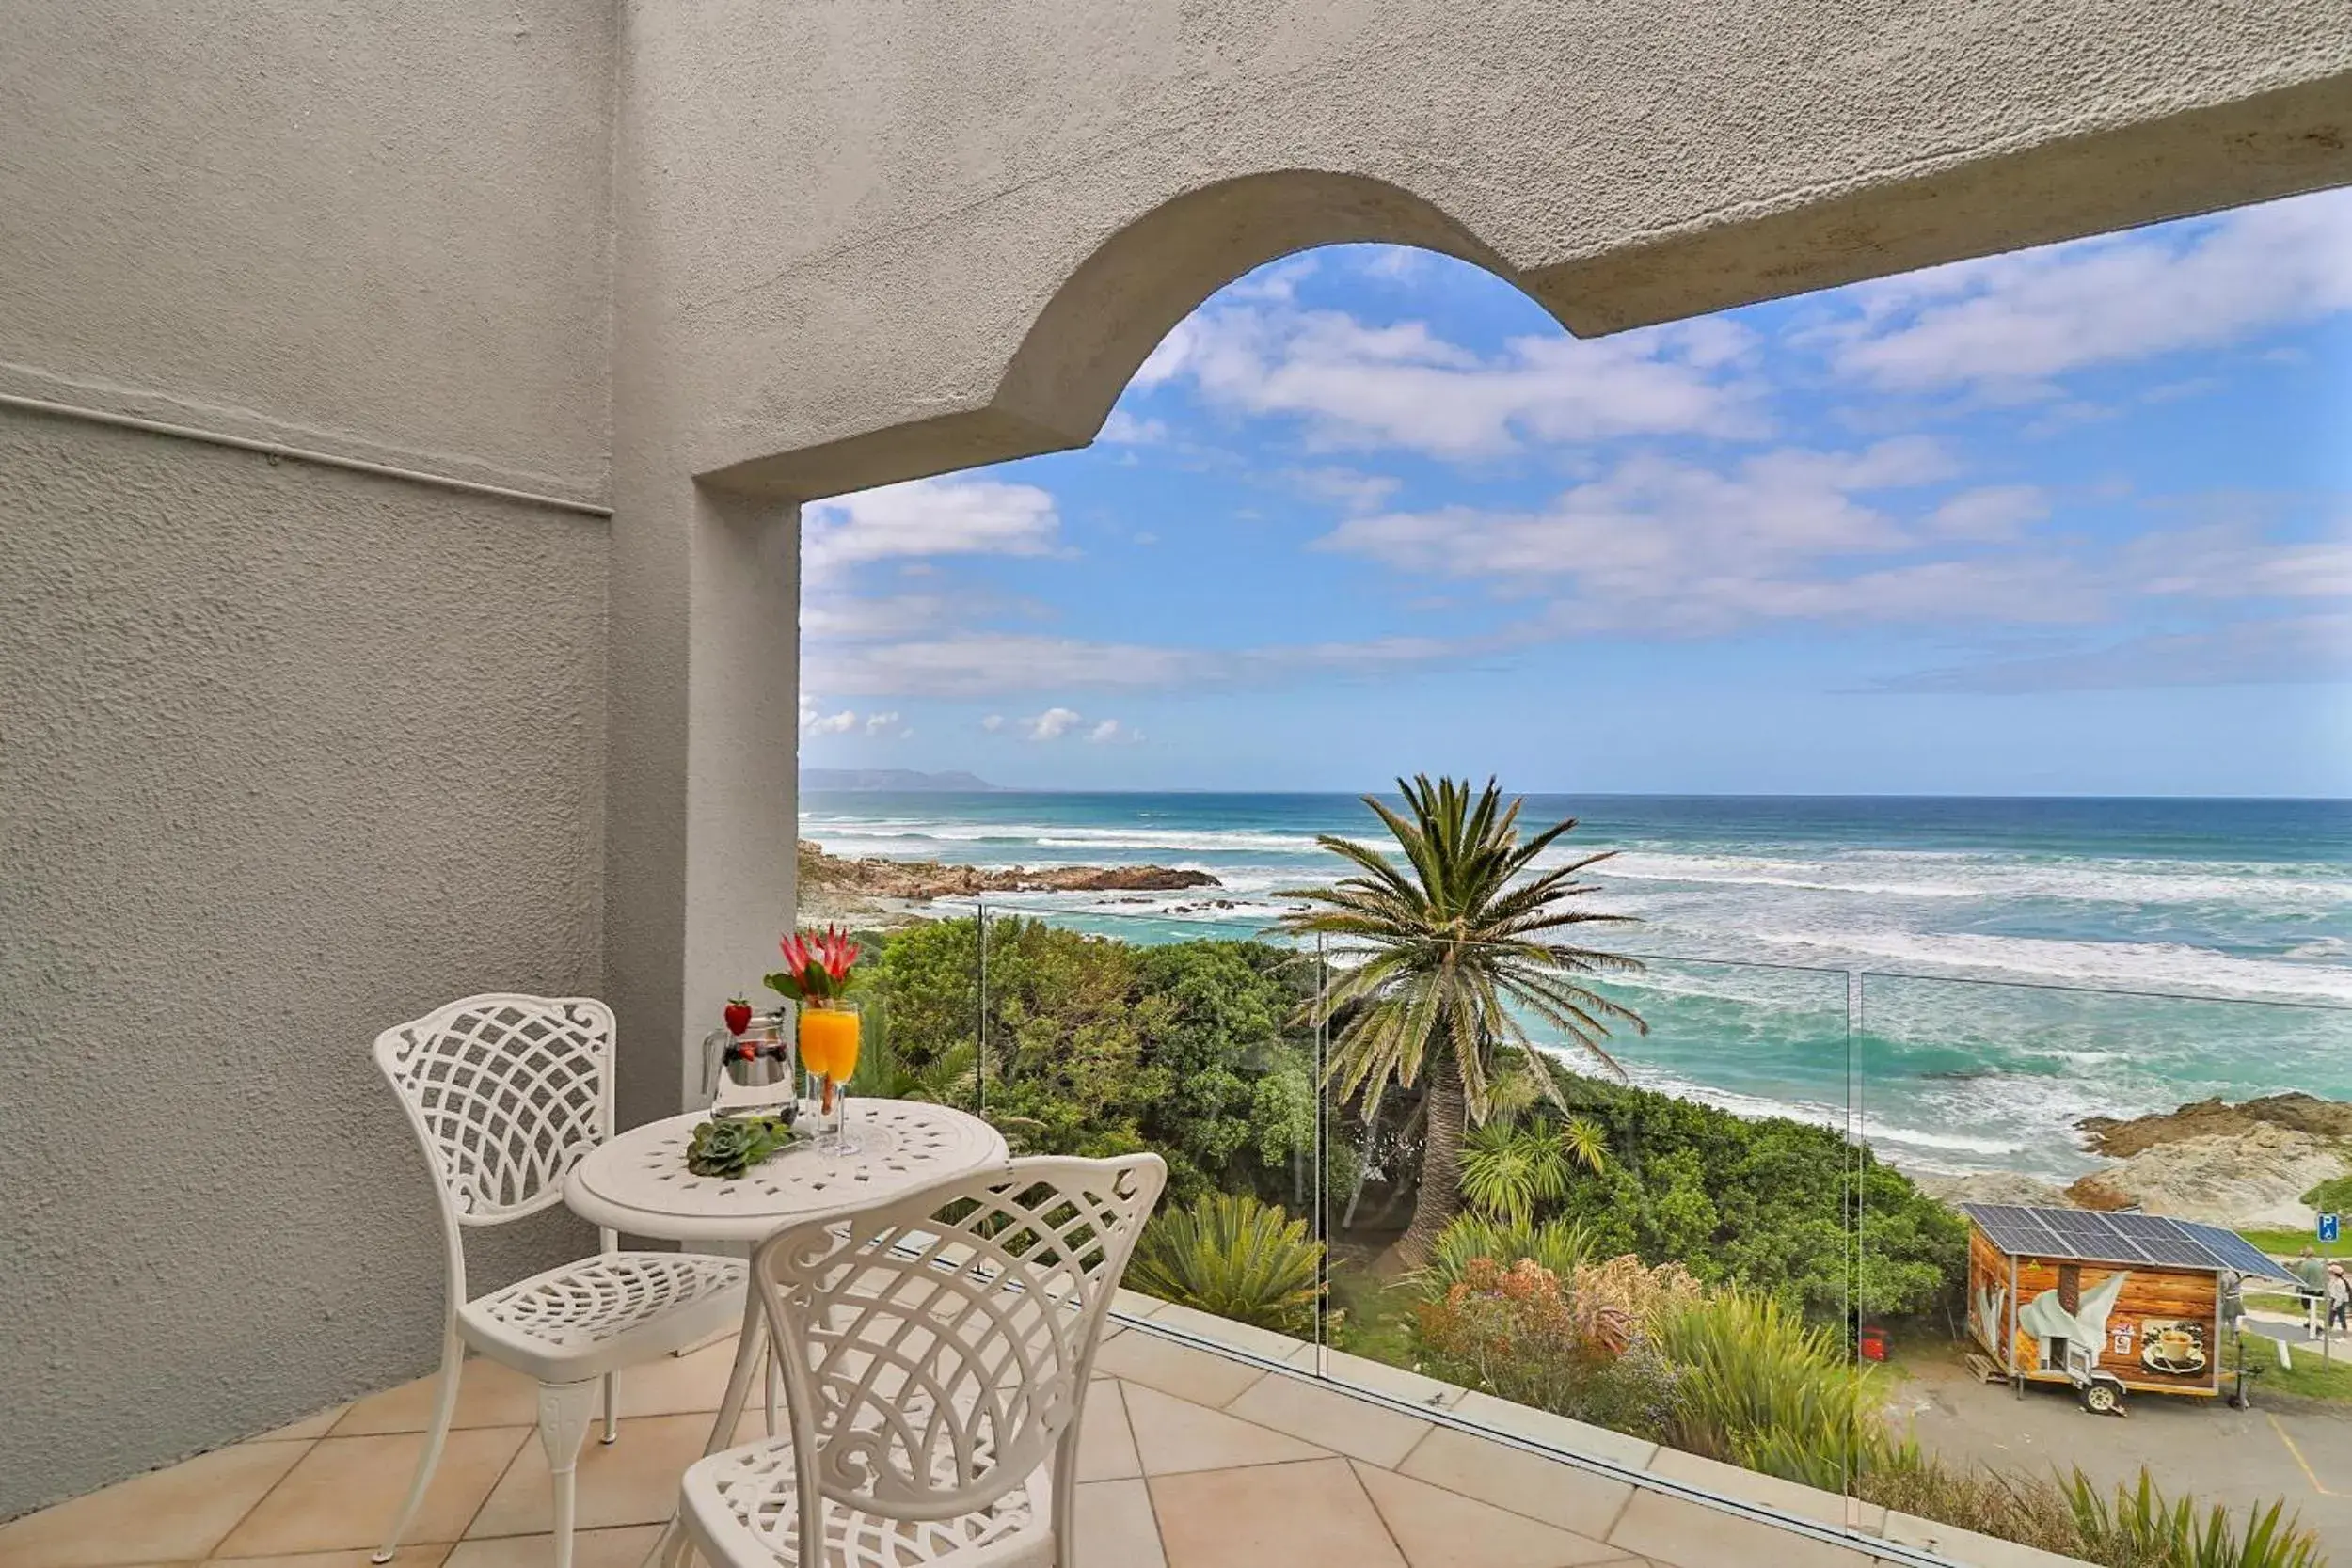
{"x":904,"y":779}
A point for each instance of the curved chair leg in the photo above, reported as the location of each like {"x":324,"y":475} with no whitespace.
{"x":564,"y":1411}
{"x":612,"y":1410}
{"x":444,"y":1406}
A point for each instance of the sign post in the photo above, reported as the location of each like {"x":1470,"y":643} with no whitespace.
{"x":2330,"y":1227}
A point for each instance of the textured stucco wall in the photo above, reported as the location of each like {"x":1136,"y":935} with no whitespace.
{"x":286,"y":755}
{"x":378,"y":228}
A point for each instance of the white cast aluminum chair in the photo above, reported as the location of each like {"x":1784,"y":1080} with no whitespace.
{"x":506,"y":1094}
{"x":935,"y":1351}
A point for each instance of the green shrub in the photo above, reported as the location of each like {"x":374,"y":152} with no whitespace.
{"x":2333,"y":1195}
{"x":1763,"y":1389}
{"x":1232,"y":1255}
{"x":1556,"y":1245}
{"x":2137,"y":1528}
{"x":2032,"y":1511}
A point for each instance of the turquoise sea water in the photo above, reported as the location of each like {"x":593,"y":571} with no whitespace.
{"x":1960,"y":980}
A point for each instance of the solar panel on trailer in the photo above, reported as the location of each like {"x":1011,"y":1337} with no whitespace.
{"x":2234,"y":1250}
{"x":2170,"y":1241}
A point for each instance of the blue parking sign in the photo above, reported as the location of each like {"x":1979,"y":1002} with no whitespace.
{"x":2330,"y":1226}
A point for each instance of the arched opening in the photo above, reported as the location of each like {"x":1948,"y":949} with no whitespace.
{"x":1091,"y":337}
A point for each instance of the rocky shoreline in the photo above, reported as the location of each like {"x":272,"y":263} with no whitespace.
{"x":839,"y":885}
{"x":2246,"y":1166}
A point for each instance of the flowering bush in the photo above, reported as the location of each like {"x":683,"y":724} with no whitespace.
{"x":1518,"y":1333}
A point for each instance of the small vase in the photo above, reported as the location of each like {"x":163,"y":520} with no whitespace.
{"x":828,"y":1051}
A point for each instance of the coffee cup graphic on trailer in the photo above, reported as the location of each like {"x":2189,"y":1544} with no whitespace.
{"x":2173,"y":1345}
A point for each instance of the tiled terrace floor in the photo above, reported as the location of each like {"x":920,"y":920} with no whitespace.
{"x":1192,"y":1460}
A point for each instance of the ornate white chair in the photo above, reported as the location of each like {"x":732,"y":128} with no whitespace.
{"x":935,"y":1353}
{"x":506,"y":1093}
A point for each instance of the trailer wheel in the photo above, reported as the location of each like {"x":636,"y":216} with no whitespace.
{"x":2102,"y":1398}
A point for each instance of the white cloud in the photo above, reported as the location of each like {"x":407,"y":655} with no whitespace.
{"x":994,"y":722}
{"x":2008,"y":325}
{"x":1359,"y":385}
{"x":841,"y":615}
{"x":1126,"y":429}
{"x":1052,"y":724}
{"x":927,"y":517}
{"x":987,"y":664}
{"x":1348,"y":487}
{"x":877,"y":723}
{"x":1664,"y":546}
{"x":830,"y":723}
{"x":2295,"y":649}
{"x":1108,"y":730}
{"x":1276,"y":280}
{"x":1991,"y":511}
{"x":1394,"y":263}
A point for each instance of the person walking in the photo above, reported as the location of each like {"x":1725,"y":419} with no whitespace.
{"x":2339,"y":1299}
{"x":2311,"y":1277}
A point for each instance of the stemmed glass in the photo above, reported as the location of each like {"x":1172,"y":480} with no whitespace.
{"x":829,"y":1051}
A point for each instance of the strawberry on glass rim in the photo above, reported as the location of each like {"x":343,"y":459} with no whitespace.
{"x":739,"y":1015}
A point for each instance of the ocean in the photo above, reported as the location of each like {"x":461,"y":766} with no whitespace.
{"x":1958,"y":980}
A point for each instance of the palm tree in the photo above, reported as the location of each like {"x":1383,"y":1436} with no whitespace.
{"x":1452,"y":942}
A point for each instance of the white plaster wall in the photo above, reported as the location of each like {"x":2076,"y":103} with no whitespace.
{"x":382,"y":229}
{"x":287,"y":755}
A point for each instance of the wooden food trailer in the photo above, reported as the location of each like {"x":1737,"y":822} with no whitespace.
{"x":2107,"y":1303}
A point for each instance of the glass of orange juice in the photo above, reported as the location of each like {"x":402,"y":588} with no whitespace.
{"x":829,"y":1047}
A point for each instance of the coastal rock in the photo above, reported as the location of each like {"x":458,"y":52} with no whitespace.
{"x":919,"y":882}
{"x":1996,"y":1186}
{"x":2250,"y":1180}
{"x":2294,"y":1113}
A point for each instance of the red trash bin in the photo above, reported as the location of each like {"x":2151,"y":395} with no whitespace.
{"x":1873,"y":1344}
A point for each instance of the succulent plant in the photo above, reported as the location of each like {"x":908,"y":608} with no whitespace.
{"x":726,"y":1146}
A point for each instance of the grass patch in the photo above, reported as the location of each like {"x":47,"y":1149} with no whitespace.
{"x":2309,"y":1379}
{"x":2290,"y":1244}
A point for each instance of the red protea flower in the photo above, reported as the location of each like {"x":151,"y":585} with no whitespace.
{"x":815,"y":964}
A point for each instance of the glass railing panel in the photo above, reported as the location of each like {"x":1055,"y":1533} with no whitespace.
{"x":1186,"y":1032}
{"x":1644,"y":1253}
{"x":2123,"y":1235}
{"x":919,"y":989}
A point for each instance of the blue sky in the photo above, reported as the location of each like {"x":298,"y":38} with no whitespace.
{"x":2072,"y":520}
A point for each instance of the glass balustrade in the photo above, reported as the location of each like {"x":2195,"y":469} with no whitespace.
{"x":1814,"y":1237}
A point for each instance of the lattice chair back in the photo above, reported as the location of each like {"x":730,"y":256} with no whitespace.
{"x":506,"y":1093}
{"x":937,"y":1348}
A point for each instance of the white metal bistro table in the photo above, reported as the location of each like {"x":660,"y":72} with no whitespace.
{"x":638,"y":1184}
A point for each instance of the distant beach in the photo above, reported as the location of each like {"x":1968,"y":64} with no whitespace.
{"x":2217,"y":936}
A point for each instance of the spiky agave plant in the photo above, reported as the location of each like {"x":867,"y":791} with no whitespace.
{"x":1232,"y":1255}
{"x":1454,"y":944}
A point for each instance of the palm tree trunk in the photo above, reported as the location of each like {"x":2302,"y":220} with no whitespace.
{"x":1438,"y":1197}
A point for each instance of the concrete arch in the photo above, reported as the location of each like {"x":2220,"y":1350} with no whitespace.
{"x":1112,"y":310}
